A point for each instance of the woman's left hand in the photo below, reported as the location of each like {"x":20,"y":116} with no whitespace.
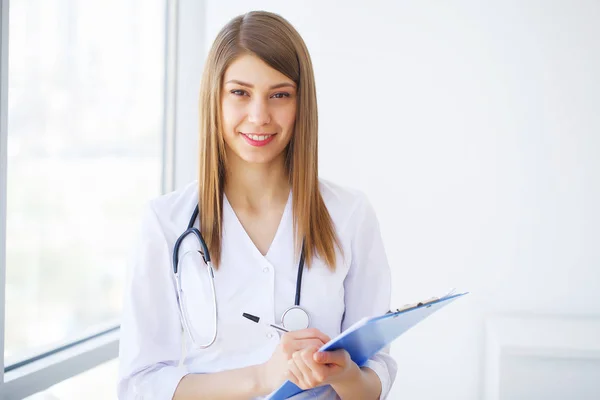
{"x":309,"y":368}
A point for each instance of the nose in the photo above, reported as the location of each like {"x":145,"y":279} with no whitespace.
{"x":258,"y":112}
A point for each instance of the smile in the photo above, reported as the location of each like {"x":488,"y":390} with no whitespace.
{"x":258,"y":139}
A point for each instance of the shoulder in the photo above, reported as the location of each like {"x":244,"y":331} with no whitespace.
{"x":186,"y":195}
{"x":173,"y":210}
{"x":346,"y":205}
{"x":336,"y":195}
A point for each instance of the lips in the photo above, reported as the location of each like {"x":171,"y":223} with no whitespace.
{"x":258,"y":139}
{"x":258,"y":136}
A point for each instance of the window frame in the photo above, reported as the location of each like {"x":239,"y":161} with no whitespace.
{"x":3,"y":161}
{"x":183,"y":61}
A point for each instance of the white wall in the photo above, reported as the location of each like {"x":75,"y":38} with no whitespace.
{"x":475,"y":130}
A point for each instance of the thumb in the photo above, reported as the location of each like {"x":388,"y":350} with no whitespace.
{"x":330,"y":357}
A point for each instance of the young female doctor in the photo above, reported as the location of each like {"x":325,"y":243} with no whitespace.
{"x":279,"y":244}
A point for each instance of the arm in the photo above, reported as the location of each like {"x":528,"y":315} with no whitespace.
{"x":367,"y":293}
{"x":150,"y":344}
{"x":234,"y":384}
{"x":151,"y":335}
{"x":251,"y":381}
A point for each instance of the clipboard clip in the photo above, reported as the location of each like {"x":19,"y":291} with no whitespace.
{"x":421,"y":303}
{"x":414,"y":305}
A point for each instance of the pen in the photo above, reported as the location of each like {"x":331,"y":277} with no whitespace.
{"x":256,"y":319}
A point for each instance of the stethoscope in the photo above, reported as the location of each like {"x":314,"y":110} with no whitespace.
{"x":294,"y":318}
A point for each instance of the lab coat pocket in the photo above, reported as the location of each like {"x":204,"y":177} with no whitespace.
{"x":197,"y":298}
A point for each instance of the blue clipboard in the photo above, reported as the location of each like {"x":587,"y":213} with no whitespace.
{"x":369,"y":335}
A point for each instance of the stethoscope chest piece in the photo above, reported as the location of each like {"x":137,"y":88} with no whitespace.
{"x":295,"y":318}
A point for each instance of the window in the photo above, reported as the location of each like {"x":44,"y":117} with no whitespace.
{"x":89,"y":385}
{"x":84,"y":153}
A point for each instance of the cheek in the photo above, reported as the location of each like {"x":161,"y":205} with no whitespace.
{"x":287,"y":117}
{"x":232,"y":116}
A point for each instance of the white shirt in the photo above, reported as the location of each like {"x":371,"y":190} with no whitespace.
{"x":246,"y":281}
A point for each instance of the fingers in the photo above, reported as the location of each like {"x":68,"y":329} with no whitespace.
{"x":317,"y":371}
{"x":306,"y":343}
{"x":300,"y":365}
{"x":310,"y":333}
{"x":290,"y":346}
{"x":302,"y":339}
{"x":295,"y":376}
{"x":337,"y":357}
{"x":308,"y":372}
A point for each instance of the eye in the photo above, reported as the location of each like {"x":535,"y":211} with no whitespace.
{"x":281,"y":95}
{"x":239,"y":92}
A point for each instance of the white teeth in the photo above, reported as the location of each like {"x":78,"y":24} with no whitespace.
{"x":258,"y":137}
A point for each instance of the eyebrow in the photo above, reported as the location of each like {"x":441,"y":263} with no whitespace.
{"x":277,"y":86}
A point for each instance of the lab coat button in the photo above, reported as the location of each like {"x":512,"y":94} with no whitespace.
{"x":270,"y":335}
{"x":266,"y":269}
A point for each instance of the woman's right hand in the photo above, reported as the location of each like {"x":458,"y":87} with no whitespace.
{"x":274,"y":371}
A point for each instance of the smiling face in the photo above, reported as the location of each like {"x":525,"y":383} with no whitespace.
{"x":258,"y":108}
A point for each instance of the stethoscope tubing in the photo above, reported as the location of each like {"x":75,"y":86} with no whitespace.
{"x":206,"y":256}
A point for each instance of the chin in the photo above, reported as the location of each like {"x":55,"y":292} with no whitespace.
{"x":255,"y":159}
{"x":264,"y":155}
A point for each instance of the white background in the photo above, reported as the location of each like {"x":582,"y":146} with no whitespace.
{"x":474,"y":128}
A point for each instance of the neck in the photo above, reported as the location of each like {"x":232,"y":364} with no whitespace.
{"x":256,"y":187}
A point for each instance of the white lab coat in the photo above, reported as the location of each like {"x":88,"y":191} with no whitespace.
{"x":151,"y":339}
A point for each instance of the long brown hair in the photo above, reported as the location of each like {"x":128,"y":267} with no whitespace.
{"x":274,"y":40}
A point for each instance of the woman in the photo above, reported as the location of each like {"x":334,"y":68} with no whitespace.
{"x":272,"y":229}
